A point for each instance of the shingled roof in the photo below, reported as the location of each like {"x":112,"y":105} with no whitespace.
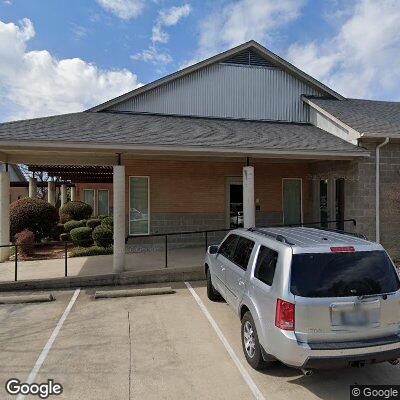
{"x":368,"y":117}
{"x":157,"y":130}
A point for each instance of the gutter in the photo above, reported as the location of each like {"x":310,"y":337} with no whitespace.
{"x":377,"y":189}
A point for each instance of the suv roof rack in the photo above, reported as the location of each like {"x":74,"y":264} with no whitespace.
{"x":355,"y":234}
{"x":279,"y":238}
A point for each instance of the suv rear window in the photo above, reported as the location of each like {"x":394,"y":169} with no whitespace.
{"x":342,"y":274}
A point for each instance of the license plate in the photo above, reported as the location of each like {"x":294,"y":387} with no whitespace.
{"x":354,"y":318}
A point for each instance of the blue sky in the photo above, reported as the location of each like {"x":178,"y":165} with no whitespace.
{"x":64,"y":56}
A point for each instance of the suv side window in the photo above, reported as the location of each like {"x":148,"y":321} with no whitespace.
{"x":228,"y":246}
{"x":266,"y":264}
{"x":243,"y":252}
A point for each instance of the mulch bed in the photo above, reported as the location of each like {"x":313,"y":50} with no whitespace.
{"x":45,"y":252}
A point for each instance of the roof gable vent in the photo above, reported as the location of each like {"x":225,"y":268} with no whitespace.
{"x":249,"y":58}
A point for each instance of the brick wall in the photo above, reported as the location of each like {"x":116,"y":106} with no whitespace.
{"x":191,"y":195}
{"x":360,"y":192}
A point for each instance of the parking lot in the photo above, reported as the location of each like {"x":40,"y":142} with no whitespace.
{"x":153,"y":347}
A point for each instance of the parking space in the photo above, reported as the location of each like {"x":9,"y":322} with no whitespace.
{"x":153,"y":347}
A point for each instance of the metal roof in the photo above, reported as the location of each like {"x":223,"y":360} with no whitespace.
{"x":251,"y":45}
{"x":370,"y":118}
{"x":96,"y":128}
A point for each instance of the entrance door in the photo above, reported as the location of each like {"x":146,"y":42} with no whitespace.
{"x":235,"y":204}
{"x":292,"y":201}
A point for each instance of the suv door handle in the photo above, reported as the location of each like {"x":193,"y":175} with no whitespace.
{"x":241,"y":283}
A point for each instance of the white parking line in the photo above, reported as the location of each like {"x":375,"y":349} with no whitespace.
{"x":49,"y":344}
{"x":253,"y":387}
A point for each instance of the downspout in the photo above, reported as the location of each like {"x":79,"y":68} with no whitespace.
{"x":377,"y":190}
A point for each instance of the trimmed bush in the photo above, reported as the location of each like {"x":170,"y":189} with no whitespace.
{"x":102,"y":236}
{"x":82,"y":236}
{"x":102,"y":216}
{"x":68,"y":226}
{"x":92,"y":223}
{"x":57,"y":231}
{"x":108,"y":222}
{"x":25,"y":240}
{"x":91,"y":251}
{"x":36,"y":215}
{"x":76,"y":210}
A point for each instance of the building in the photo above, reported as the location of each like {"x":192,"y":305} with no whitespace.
{"x":242,"y":138}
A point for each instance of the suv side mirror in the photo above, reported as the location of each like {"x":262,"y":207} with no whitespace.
{"x":213,"y":249}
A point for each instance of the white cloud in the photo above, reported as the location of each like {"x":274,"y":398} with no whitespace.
{"x":125,"y":9}
{"x":35,"y":83}
{"x":362,"y":59}
{"x":153,"y":56}
{"x":169,"y":17}
{"x":243,"y":20}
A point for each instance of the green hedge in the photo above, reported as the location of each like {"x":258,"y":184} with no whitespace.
{"x":108,"y":222}
{"x":68,"y":226}
{"x":92,"y":223}
{"x":36,"y":215}
{"x":82,"y":236}
{"x":75,"y":210}
{"x":102,"y":236}
{"x":91,"y":251}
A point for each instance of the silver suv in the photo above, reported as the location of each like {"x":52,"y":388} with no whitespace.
{"x":308,"y":297}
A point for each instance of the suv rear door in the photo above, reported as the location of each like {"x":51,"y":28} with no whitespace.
{"x":236,"y":270}
{"x":345,"y":296}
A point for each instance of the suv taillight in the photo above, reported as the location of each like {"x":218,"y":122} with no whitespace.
{"x":284,"y":316}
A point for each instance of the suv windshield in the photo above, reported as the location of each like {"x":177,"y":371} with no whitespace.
{"x":342,"y":274}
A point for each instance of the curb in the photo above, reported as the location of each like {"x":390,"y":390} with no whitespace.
{"x":34,"y":298}
{"x":124,"y":278}
{"x":113,"y":294}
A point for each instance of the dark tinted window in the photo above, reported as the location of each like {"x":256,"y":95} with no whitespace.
{"x":227,"y":248}
{"x":266,"y":264}
{"x":243,"y":252}
{"x":342,"y":274}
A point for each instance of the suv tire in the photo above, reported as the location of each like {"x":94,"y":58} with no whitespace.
{"x":251,"y":345}
{"x":212,"y":293}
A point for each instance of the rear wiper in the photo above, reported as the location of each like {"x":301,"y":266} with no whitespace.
{"x":383,"y":295}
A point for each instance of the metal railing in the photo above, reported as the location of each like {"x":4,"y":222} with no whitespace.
{"x":65,"y":244}
{"x":205,"y":233}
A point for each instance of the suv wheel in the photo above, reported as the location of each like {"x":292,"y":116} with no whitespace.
{"x":212,"y":293}
{"x":250,"y":343}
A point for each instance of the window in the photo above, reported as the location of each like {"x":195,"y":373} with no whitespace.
{"x":103,"y":202}
{"x":88,"y":198}
{"x":139,"y":209}
{"x":243,"y":252}
{"x":228,"y":247}
{"x":266,"y":264}
{"x":342,"y":274}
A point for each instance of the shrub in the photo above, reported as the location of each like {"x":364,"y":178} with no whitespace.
{"x":108,"y":222}
{"x":92,"y":223}
{"x":102,"y":216}
{"x":36,"y":215}
{"x":65,"y":237}
{"x":76,"y":210}
{"x":102,"y":236}
{"x":25,"y":240}
{"x":57,"y":231}
{"x":91,"y":251}
{"x":68,"y":226}
{"x":82,"y":236}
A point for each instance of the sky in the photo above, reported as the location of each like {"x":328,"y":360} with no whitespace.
{"x":60,"y":56}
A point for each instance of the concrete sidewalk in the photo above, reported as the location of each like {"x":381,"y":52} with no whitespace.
{"x":101,"y":265}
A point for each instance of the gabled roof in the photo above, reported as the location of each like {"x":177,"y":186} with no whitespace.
{"x":172,"y":133}
{"x":370,"y":118}
{"x":251,"y":45}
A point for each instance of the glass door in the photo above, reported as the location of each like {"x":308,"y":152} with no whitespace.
{"x":235,"y":205}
